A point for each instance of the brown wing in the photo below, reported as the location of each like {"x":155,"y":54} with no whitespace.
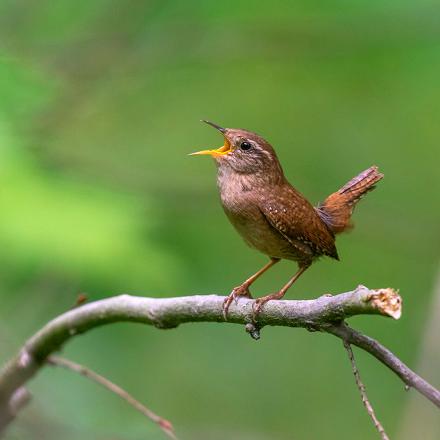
{"x":296,"y":219}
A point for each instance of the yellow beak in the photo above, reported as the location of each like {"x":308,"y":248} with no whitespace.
{"x":224,"y":149}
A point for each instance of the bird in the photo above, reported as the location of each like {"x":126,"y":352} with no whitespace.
{"x":271,"y":215}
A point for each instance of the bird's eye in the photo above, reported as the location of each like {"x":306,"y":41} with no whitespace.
{"x":245,"y":146}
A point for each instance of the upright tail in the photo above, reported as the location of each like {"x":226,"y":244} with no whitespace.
{"x":337,"y":208}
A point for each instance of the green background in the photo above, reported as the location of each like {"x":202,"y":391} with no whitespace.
{"x":99,"y":106}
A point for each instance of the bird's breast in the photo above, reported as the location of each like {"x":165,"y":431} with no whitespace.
{"x":240,"y":202}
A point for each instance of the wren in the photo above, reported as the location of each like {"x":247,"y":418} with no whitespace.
{"x":271,"y":215}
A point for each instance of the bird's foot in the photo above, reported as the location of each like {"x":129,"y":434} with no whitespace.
{"x":259,"y":303}
{"x":238,"y":291}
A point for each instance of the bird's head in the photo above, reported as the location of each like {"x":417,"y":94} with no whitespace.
{"x":244,"y":152}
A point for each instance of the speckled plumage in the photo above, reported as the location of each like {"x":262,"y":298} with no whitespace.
{"x":274,"y":218}
{"x":270,"y":214}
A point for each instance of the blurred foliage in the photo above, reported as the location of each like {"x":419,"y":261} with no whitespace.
{"x":99,"y":105}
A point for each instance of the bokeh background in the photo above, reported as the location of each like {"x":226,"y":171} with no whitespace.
{"x":99,"y":106}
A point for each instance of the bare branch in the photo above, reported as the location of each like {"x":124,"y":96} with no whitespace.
{"x":363,"y":392}
{"x":17,"y":401}
{"x":323,"y":314}
{"x":163,"y":424}
{"x":385,"y":356}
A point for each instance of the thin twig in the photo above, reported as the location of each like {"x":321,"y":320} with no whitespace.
{"x":381,"y":353}
{"x":163,"y":424}
{"x":363,"y":392}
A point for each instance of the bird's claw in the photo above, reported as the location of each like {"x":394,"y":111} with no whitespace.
{"x":256,"y":308}
{"x":259,"y":303}
{"x":238,"y":291}
{"x":226,"y":303}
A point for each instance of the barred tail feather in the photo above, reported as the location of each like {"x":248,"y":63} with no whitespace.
{"x":337,"y":208}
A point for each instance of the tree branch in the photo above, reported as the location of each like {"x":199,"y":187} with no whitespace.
{"x":363,"y":392}
{"x":11,"y":407}
{"x":385,"y":356}
{"x":163,"y":424}
{"x":324,"y":314}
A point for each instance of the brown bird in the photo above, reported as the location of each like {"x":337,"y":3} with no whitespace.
{"x":271,"y":215}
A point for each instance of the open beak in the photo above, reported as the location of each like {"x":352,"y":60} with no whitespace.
{"x":224,"y":149}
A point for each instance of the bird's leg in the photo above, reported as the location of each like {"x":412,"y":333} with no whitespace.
{"x":243,"y":289}
{"x":259,"y":302}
